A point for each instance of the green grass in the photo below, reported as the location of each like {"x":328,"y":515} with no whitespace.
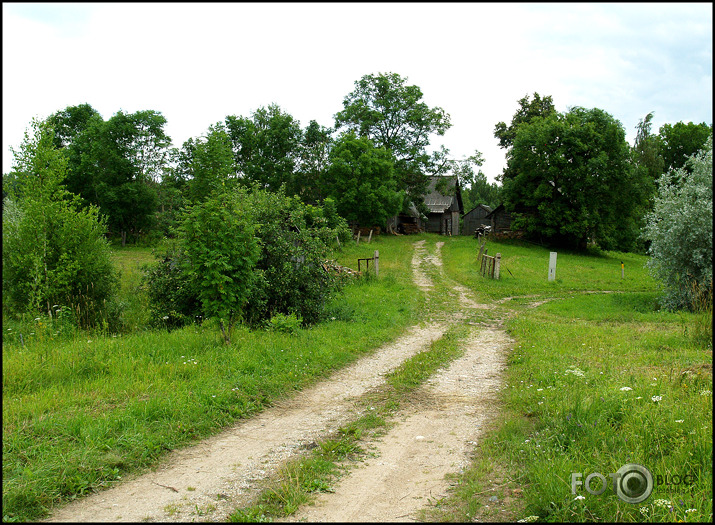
{"x":80,"y":412}
{"x":595,"y":381}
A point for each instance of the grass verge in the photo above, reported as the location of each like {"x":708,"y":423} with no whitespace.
{"x":84,"y":410}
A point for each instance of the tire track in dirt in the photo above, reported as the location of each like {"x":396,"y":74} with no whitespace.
{"x":209,"y":480}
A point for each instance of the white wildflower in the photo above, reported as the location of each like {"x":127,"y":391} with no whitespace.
{"x":528,"y":519}
{"x":691,"y":510}
{"x":661,"y":503}
{"x":679,"y":420}
{"x":579,"y":497}
{"x":706,"y":393}
{"x":656,"y":398}
{"x":626,"y":389}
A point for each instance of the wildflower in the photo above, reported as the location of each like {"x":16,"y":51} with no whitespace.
{"x":579,"y":497}
{"x":706,"y":393}
{"x":165,"y":318}
{"x":539,"y":389}
{"x":679,"y":420}
{"x":626,"y":389}
{"x":644,"y":510}
{"x":656,"y":398}
{"x":662,"y":503}
{"x":691,"y":510}
{"x":528,"y":519}
{"x":639,"y":397}
{"x":37,"y":318}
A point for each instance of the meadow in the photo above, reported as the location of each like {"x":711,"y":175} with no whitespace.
{"x":598,"y":377}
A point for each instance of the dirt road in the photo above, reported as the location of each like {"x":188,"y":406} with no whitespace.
{"x":433,"y":437}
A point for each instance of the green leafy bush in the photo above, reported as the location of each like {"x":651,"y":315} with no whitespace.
{"x":211,"y":271}
{"x":680,"y":231}
{"x":54,"y":251}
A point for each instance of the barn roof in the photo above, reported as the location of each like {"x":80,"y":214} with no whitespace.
{"x":438,"y":203}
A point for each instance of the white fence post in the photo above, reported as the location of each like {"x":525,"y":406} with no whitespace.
{"x":552,"y":266}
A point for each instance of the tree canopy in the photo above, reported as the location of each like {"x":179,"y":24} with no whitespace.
{"x":569,"y":180}
{"x":384,"y":109}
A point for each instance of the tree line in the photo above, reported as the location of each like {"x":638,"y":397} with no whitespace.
{"x":253,"y":201}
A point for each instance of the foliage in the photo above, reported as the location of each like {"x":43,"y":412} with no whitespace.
{"x":392,"y":115}
{"x":680,"y":141}
{"x":70,"y":122}
{"x":115,"y":164}
{"x":173,"y":297}
{"x":286,"y":275}
{"x":296,"y":240}
{"x":569,"y":181}
{"x":680,"y":230}
{"x":222,"y":251}
{"x":361,"y":179}
{"x":211,"y":166}
{"x":528,"y":111}
{"x":646,"y":149}
{"x":54,"y":252}
{"x":266,"y":148}
{"x":315,"y":148}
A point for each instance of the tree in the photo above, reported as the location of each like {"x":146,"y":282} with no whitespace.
{"x":361,"y":180}
{"x":313,"y":161}
{"x":384,"y":109}
{"x":646,"y":149}
{"x":680,"y":141}
{"x":528,"y":111}
{"x":70,"y":122}
{"x":266,"y":148}
{"x":680,"y":231}
{"x":222,"y":251}
{"x":112,"y":165}
{"x":54,"y":251}
{"x":212,"y":166}
{"x":569,"y":180}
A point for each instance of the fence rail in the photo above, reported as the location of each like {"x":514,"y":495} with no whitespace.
{"x":490,"y":266}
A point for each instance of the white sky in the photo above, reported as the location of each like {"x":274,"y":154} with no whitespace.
{"x":196,"y":63}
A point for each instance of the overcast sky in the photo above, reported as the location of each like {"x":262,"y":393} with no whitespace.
{"x":198,"y":63}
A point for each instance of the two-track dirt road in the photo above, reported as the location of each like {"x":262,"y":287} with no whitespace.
{"x":433,"y":436}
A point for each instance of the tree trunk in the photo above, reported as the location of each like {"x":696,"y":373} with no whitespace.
{"x":124,"y":238}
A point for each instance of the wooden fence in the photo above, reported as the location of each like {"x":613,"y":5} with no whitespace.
{"x":488,"y":266}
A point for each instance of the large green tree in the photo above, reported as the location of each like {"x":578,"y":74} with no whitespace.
{"x":211,"y":166}
{"x":528,"y":110}
{"x":392,"y":114}
{"x":266,"y":148}
{"x":569,"y":180}
{"x":116,"y":165}
{"x":680,"y":141}
{"x":361,"y":179}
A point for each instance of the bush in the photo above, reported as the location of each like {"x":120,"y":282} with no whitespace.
{"x":287,"y":278}
{"x":54,"y":252}
{"x":680,"y":229}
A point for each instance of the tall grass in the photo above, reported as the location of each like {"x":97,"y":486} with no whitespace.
{"x":82,"y":411}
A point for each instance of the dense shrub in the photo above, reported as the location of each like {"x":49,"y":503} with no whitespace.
{"x":54,"y":251}
{"x":680,"y":230}
{"x":286,"y":278}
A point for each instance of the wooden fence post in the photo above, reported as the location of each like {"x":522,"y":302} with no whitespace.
{"x":369,"y":239}
{"x":497,"y":263}
{"x":377,"y":261}
{"x":358,"y":238}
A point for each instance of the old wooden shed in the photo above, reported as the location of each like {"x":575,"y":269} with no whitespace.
{"x":476,"y":217}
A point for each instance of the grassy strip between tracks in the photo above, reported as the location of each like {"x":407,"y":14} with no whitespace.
{"x":300,"y":479}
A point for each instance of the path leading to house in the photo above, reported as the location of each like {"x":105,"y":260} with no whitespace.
{"x":433,"y":436}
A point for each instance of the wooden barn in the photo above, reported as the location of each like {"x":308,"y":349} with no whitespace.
{"x":444,"y":208}
{"x":499,"y":219}
{"x":475,"y":218}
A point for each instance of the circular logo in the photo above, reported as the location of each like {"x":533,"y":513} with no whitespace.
{"x":634,"y":484}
